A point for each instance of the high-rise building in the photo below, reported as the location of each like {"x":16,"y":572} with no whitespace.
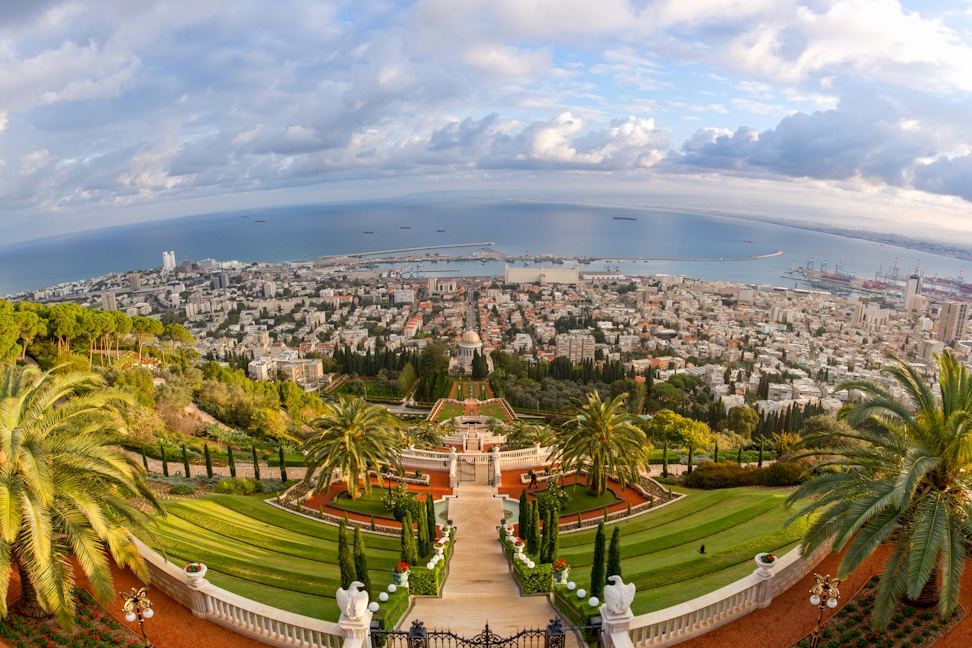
{"x":108,"y":301}
{"x":951,"y":321}
{"x":576,"y":345}
{"x":135,"y":280}
{"x":168,"y":261}
{"x":269,"y":289}
{"x":912,"y":293}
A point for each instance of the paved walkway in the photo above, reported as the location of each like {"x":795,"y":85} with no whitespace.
{"x":480,"y":587}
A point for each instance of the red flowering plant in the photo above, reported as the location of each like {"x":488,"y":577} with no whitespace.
{"x":402,"y":568}
{"x":769,"y":558}
{"x":193,"y":568}
{"x":560,"y":566}
{"x":518,"y":542}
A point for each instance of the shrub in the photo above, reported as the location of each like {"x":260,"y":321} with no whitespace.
{"x":182,"y":489}
{"x":239,"y":486}
{"x":780,"y":474}
{"x":729,"y":474}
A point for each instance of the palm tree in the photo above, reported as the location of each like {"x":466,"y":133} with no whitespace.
{"x":424,"y":435}
{"x":898,"y":476}
{"x":352,"y":437}
{"x":65,"y":488}
{"x":603,"y":433}
{"x":525,"y":435}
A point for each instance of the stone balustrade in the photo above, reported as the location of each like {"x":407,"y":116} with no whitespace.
{"x":267,"y":624}
{"x":680,"y":622}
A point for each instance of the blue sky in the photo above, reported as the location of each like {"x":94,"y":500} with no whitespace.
{"x":853,"y":111}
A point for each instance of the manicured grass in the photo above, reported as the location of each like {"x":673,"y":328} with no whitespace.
{"x":495,"y":410}
{"x":266,"y":554}
{"x":580,"y":501}
{"x":365,"y":505}
{"x":450,"y":411}
{"x":660,"y":551}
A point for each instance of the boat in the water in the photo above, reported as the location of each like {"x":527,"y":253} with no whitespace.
{"x":625,"y":218}
{"x":405,"y":227}
{"x":440,"y":229}
{"x":368,"y":232}
{"x":259,"y":220}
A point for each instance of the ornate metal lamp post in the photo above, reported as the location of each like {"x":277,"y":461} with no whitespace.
{"x":823,"y":594}
{"x":137,"y":606}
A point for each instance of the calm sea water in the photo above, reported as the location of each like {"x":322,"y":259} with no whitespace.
{"x":297,"y":233}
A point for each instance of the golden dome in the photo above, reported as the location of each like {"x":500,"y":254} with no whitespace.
{"x":470,"y":337}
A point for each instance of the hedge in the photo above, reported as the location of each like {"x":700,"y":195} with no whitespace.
{"x":427,"y":582}
{"x":532,"y":581}
{"x":729,"y":474}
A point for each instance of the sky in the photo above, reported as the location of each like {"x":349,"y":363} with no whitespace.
{"x":847,"y":111}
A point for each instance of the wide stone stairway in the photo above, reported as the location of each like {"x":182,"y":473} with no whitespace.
{"x":480,"y":587}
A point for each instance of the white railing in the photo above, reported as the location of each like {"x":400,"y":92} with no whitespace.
{"x":686,"y":620}
{"x":412,"y":459}
{"x":261,"y":622}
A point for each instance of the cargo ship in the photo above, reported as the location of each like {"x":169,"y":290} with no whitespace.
{"x":625,"y":218}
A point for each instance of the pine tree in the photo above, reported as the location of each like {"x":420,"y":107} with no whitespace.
{"x":144,"y":458}
{"x":430,"y":518}
{"x":256,"y":463}
{"x":409,"y":550}
{"x":185,"y":461}
{"x":229,"y":460}
{"x":345,"y":557}
{"x":165,"y":463}
{"x":598,"y":577}
{"x":283,"y":464}
{"x":209,"y":460}
{"x":523,"y":521}
{"x":553,"y":546}
{"x":361,"y":561}
{"x":424,"y":546}
{"x":614,"y":554}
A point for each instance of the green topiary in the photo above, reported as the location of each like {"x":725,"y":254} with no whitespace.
{"x":598,"y":577}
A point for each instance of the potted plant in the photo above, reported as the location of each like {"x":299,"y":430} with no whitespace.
{"x":561,"y":569}
{"x":195,"y":571}
{"x":518,"y":546}
{"x":765,"y":561}
{"x":400,"y":574}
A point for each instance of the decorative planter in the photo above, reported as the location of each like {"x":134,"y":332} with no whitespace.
{"x":195,"y":577}
{"x":401,"y":578}
{"x":765,"y":568}
{"x":439,"y":550}
{"x":518,"y":548}
{"x":560,"y":578}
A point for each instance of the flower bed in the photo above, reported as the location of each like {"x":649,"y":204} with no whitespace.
{"x":93,"y":627}
{"x":909,"y":628}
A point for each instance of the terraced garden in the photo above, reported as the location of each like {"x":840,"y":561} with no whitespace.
{"x":660,"y":551}
{"x":266,"y":554}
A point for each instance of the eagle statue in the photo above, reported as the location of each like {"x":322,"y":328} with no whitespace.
{"x":352,"y":601}
{"x":618,"y":595}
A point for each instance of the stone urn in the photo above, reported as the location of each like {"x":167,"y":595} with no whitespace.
{"x":765,"y":562}
{"x":401,"y":578}
{"x":439,"y":550}
{"x":195,"y":572}
{"x":518,"y":548}
{"x":560,"y":577}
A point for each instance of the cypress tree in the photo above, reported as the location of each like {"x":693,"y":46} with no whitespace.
{"x":715,"y":453}
{"x":372,"y":526}
{"x":424,"y":546}
{"x":523,"y":521}
{"x":361,"y":561}
{"x":598,"y":577}
{"x":614,"y":554}
{"x":665,"y":459}
{"x":545,"y":539}
{"x":689,"y":471}
{"x":430,"y":518}
{"x":209,"y":461}
{"x":283,"y":464}
{"x":553,"y":549}
{"x":580,"y":521}
{"x":185,"y":461}
{"x":165,"y":463}
{"x":409,"y":550}
{"x":345,"y":557}
{"x":229,"y":459}
{"x":533,"y":542}
{"x":256,"y":462}
{"x":760,"y":464}
{"x":739,"y":456}
{"x":605,"y":515}
{"x":144,"y":458}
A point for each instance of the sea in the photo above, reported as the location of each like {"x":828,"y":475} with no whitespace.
{"x":514,"y":227}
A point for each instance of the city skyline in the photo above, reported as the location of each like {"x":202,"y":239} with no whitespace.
{"x":852,"y":111}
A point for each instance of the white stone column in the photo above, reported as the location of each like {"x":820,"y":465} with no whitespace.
{"x":453,"y":469}
{"x":616,"y":615}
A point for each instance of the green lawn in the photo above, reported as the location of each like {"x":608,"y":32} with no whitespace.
{"x":495,"y":410}
{"x":450,"y":411}
{"x":660,"y":551}
{"x":365,"y":505}
{"x":266,"y":554}
{"x":580,"y":501}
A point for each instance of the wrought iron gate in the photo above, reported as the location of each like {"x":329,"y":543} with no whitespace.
{"x":553,"y":636}
{"x":467,"y":470}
